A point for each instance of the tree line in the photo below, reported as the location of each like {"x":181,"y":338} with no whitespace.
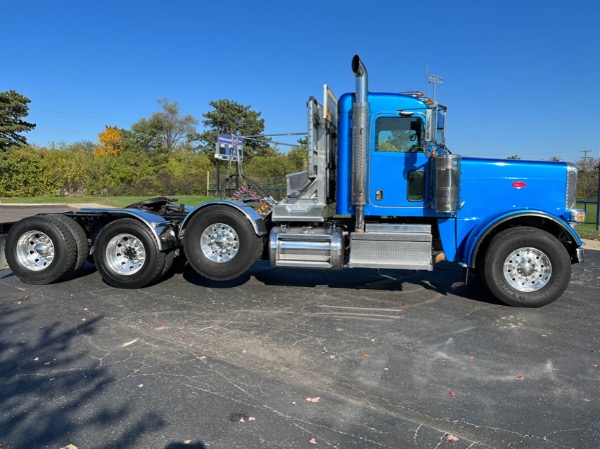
{"x":159,"y":155}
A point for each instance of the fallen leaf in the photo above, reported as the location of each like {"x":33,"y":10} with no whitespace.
{"x":331,"y":356}
{"x":451,"y":437}
{"x":471,"y":357}
{"x":244,"y":351}
{"x":452,"y":393}
{"x":594,"y":350}
{"x":386,"y":369}
{"x":317,"y":399}
{"x":36,"y":359}
{"x":520,"y":377}
{"x":373,"y":340}
{"x":594,"y":365}
{"x":312,"y":441}
{"x":251,"y":418}
{"x":293,"y":402}
{"x":365,"y":356}
{"x":140,"y":385}
{"x":187,"y":442}
{"x":242,"y":419}
{"x":85,"y":308}
{"x":161,"y":323}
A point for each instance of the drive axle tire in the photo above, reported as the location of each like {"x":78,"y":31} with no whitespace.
{"x":126,"y":254}
{"x":40,"y":250}
{"x":220,"y":243}
{"x":81,"y":240}
{"x":526,"y":267}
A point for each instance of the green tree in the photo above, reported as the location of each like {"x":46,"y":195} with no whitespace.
{"x":234,"y":119}
{"x":514,"y":156}
{"x":587,"y":177}
{"x":13,"y":107}
{"x":166,"y":130}
{"x":65,"y":167}
{"x":22,"y":172}
{"x":298,"y":156}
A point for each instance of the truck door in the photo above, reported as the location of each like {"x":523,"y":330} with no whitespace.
{"x":398,"y":167}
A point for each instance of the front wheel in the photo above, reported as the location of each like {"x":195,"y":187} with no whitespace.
{"x":126,"y":254}
{"x":220,"y":243}
{"x":526,"y":267}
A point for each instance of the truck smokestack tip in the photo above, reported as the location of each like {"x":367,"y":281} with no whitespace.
{"x":356,"y":65}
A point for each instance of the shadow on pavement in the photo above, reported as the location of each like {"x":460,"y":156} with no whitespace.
{"x":48,"y":395}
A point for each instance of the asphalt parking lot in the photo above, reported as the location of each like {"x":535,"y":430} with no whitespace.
{"x":286,"y":358}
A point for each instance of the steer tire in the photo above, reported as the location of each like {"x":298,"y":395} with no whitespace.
{"x":526,"y":267}
{"x":220,"y":243}
{"x":40,"y":250}
{"x":126,"y":254}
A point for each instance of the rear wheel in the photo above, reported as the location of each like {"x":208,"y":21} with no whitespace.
{"x":126,"y":254}
{"x":40,"y":250}
{"x":526,"y":267}
{"x":81,"y":240}
{"x":220,"y":243}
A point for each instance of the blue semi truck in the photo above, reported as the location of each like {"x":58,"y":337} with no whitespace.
{"x":381,"y":191}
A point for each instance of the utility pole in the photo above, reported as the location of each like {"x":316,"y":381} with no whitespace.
{"x":598,"y":201}
{"x":585,"y":152}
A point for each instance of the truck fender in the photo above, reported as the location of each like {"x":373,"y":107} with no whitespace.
{"x":479,"y":233}
{"x":161,"y":229}
{"x":251,"y":215}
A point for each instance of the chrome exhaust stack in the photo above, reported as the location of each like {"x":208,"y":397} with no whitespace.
{"x":360,"y":142}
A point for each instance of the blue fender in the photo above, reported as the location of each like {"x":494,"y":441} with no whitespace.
{"x":483,"y":229}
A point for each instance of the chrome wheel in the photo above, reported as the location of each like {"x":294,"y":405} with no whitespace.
{"x":219,"y":242}
{"x":35,"y":250}
{"x":125,"y":254}
{"x":527,"y":269}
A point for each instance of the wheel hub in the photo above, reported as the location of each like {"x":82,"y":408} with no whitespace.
{"x":219,"y":242}
{"x":527,"y":269}
{"x":125,"y":254}
{"x":35,"y":250}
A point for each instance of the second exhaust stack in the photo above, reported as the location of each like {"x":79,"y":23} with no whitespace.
{"x":360,"y":142}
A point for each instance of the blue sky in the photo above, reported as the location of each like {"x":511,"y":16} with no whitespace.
{"x":520,"y":76}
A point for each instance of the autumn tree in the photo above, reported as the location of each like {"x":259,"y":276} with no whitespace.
{"x":110,"y":142}
{"x":234,"y":119}
{"x":13,"y":107}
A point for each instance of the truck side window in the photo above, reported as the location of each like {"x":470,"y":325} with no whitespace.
{"x":398,"y":134}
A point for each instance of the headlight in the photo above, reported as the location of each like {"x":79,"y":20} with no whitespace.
{"x":575,"y":216}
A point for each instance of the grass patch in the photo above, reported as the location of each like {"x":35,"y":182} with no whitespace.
{"x":588,"y":231}
{"x":109,"y":201}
